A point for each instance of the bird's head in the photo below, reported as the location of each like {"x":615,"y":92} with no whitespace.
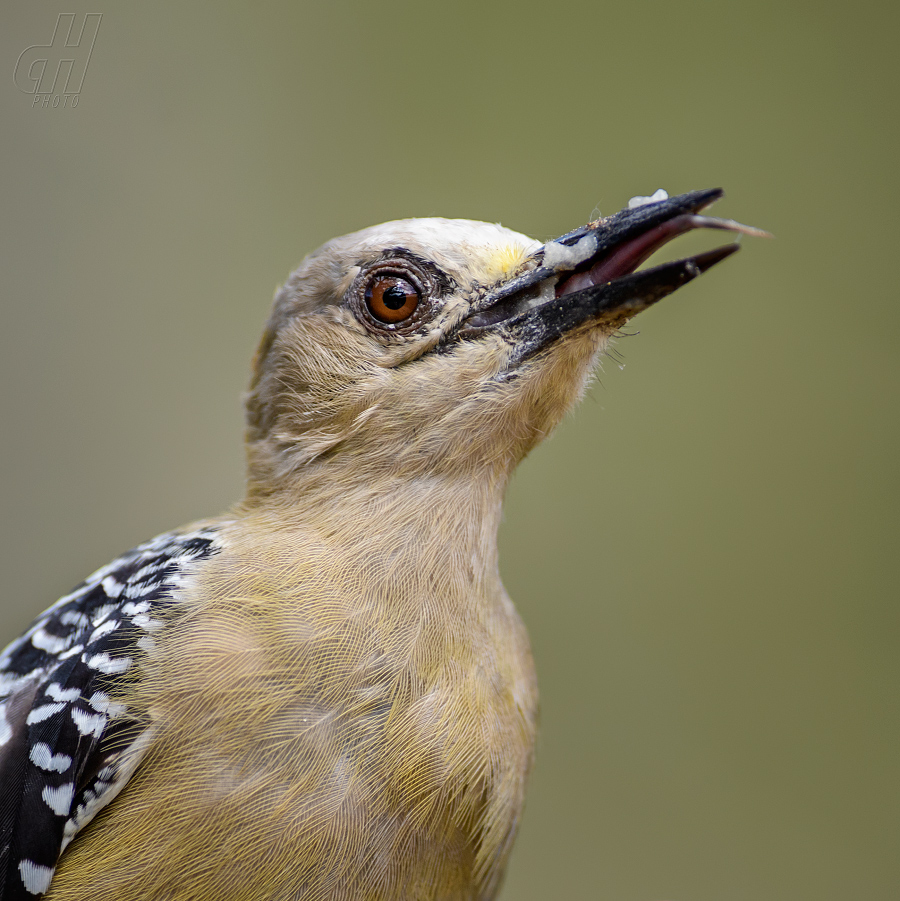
{"x":450,"y":346}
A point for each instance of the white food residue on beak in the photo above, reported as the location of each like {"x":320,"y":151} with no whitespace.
{"x":655,"y":197}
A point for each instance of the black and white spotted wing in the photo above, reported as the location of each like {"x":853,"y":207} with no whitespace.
{"x":66,"y":747}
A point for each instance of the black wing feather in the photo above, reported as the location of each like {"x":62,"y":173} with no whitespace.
{"x":66,"y":748}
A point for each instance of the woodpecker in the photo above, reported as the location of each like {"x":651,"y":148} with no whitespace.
{"x":326,"y":692}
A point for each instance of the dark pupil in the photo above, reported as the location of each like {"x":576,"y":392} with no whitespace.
{"x":394,"y":297}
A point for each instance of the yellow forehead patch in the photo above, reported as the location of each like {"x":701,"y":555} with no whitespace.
{"x":502,"y":259}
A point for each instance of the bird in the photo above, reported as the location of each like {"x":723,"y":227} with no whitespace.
{"x":326,"y":692}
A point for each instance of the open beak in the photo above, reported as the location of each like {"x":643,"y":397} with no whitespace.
{"x":588,"y":277}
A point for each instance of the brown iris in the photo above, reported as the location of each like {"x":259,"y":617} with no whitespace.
{"x":391,"y":298}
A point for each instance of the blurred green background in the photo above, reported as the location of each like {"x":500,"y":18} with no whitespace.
{"x":704,"y":552}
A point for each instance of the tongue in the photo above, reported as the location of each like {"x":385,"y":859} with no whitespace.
{"x":625,"y":258}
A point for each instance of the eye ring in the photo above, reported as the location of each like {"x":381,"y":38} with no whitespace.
{"x":391,"y":298}
{"x":394,"y":296}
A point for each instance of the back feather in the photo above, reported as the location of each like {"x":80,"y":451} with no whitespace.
{"x":66,"y":746}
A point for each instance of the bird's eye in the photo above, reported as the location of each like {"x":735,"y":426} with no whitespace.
{"x":391,"y":298}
